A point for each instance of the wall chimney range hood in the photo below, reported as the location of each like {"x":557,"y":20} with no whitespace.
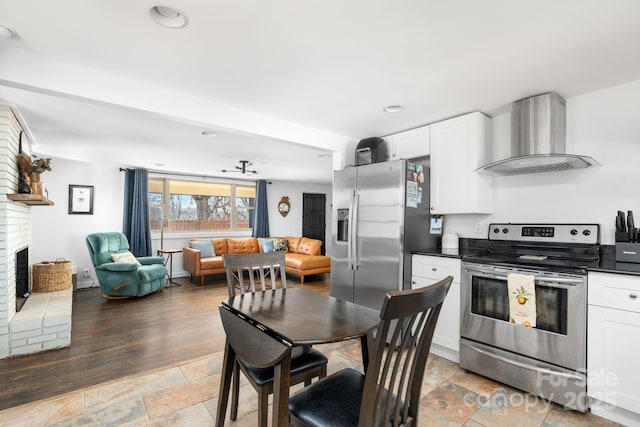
{"x":538,"y":139}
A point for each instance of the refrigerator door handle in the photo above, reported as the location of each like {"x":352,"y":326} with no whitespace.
{"x":350,"y":233}
{"x":354,"y":227}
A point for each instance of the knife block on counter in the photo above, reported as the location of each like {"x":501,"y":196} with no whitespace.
{"x":628,"y":252}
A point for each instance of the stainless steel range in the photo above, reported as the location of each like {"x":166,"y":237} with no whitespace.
{"x":549,"y":359}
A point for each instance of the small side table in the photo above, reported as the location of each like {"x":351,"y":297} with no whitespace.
{"x":169,"y":259}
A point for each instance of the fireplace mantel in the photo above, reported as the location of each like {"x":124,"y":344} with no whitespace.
{"x":30,"y":199}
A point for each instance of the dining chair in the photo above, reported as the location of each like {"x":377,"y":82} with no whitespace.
{"x":263,"y":266}
{"x":306,"y":363}
{"x":389,"y":392}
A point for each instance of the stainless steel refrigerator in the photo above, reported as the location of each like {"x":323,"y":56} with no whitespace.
{"x":380,"y":214}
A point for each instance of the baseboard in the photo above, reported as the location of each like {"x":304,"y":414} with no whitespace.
{"x":613,"y":413}
{"x":445,"y":353}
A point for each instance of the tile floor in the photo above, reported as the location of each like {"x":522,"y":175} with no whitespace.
{"x":186,"y":395}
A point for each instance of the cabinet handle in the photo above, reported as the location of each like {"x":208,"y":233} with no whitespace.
{"x":434,"y":268}
{"x":633,"y":296}
{"x":413,"y":282}
{"x":433,"y":208}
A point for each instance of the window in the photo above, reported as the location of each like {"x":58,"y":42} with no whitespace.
{"x":200,"y":206}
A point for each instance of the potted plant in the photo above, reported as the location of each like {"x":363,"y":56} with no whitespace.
{"x":33,"y":168}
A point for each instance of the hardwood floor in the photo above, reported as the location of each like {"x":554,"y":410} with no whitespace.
{"x":112,"y":339}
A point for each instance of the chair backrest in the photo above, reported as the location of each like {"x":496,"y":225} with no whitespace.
{"x":394,"y":375}
{"x":265,"y":265}
{"x":102,"y":245}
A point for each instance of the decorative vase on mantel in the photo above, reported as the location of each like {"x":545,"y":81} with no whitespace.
{"x":23,"y":185}
{"x":36,"y":185}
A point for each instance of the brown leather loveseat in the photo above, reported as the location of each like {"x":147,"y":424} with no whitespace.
{"x":302,"y":258}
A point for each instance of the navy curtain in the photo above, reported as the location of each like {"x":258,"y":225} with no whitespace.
{"x":136,"y":211}
{"x":261,"y":221}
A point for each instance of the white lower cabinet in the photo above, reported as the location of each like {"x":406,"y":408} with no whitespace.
{"x":613,"y":346}
{"x":427,"y":270}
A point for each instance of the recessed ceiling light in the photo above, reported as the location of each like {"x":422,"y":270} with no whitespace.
{"x":321,"y":156}
{"x":5,"y":33}
{"x":168,"y":17}
{"x":159,"y":164}
{"x":208,"y":133}
{"x":393,"y":108}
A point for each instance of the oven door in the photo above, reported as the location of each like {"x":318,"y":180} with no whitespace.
{"x":559,"y":337}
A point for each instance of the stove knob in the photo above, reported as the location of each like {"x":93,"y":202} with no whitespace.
{"x":505,"y":230}
{"x":586,"y":232}
{"x":574,"y":232}
{"x":496,"y":230}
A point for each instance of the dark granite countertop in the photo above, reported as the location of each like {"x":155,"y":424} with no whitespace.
{"x":467,"y":247}
{"x":475,"y":247}
{"x":608,"y":263}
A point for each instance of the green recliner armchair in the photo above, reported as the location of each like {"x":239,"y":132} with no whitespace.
{"x":124,"y":279}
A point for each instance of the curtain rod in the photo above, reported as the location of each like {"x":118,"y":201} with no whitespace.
{"x":189,"y":175}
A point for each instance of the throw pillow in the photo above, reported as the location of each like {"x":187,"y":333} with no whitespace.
{"x":125,"y":257}
{"x":309,"y":246}
{"x":266,"y":245}
{"x":280,"y":244}
{"x":204,"y":246}
{"x":293,"y":243}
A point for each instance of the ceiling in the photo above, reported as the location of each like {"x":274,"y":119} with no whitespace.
{"x":284,"y":83}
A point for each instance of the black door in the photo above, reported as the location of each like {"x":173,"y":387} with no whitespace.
{"x":313,"y":216}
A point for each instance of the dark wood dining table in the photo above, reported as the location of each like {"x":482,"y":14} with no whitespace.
{"x":294,"y":316}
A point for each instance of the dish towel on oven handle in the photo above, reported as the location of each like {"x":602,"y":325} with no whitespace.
{"x":522,"y":299}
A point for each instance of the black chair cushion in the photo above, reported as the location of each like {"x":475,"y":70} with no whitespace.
{"x":333,"y":401}
{"x":307,"y":359}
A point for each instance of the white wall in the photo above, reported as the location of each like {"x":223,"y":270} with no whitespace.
{"x":56,"y":233}
{"x":604,"y":125}
{"x":291,"y":225}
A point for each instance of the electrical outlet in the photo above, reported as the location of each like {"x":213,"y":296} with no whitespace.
{"x":86,"y":272}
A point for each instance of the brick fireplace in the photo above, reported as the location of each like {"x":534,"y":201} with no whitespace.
{"x":44,"y":322}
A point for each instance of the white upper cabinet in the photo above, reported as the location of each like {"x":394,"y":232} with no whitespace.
{"x":409,"y":144}
{"x":458,"y":147}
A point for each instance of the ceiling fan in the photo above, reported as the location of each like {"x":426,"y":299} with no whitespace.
{"x":242,"y":168}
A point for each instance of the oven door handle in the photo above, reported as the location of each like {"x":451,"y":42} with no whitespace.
{"x":529,"y":367}
{"x":545,"y":279}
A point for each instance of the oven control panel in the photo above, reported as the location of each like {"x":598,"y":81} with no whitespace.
{"x":555,"y":233}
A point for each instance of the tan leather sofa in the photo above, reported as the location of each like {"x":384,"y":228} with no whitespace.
{"x":302,"y":259}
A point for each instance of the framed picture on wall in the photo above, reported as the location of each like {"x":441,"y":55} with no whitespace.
{"x":81,"y":199}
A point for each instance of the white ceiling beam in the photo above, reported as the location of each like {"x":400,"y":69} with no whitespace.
{"x":24,"y":70}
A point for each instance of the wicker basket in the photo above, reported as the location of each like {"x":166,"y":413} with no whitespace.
{"x":51,"y":276}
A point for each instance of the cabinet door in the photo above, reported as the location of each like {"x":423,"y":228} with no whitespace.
{"x":618,"y":291}
{"x":434,"y":267}
{"x":458,"y":147}
{"x":410,"y":144}
{"x":447,"y":333}
{"x":427,"y":270}
{"x":612,"y":357}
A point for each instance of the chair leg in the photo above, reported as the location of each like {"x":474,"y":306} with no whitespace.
{"x":263,"y":407}
{"x":235,"y":391}
{"x":202,"y":280}
{"x":301,"y":280}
